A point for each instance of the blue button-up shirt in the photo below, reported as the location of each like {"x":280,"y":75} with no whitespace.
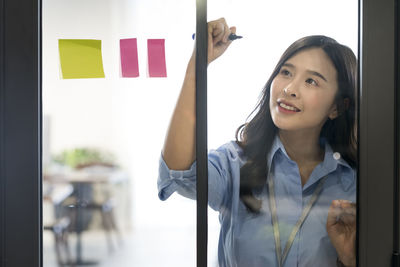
{"x":247,"y":239}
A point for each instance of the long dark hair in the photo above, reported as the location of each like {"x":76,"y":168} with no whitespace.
{"x":256,"y":136}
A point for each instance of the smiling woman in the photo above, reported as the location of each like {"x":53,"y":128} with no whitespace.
{"x":279,"y":181}
{"x":302,"y":101}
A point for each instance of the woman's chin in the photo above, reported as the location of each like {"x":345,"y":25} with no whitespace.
{"x":286,"y":125}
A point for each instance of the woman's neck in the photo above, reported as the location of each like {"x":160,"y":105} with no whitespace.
{"x":302,"y":147}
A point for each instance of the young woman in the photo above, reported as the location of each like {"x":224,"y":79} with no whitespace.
{"x":285,"y":189}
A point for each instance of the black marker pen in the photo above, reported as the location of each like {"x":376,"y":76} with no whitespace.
{"x":231,"y":36}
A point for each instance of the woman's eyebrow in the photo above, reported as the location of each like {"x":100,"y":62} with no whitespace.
{"x":312,"y":72}
{"x":288,"y":65}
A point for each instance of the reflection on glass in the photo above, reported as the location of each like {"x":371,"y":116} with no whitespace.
{"x":285,"y":189}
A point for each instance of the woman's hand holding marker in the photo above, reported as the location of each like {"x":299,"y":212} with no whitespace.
{"x":218,"y":38}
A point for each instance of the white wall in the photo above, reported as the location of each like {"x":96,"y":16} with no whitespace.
{"x":129,"y":116}
{"x":79,"y":109}
{"x":143,"y":106}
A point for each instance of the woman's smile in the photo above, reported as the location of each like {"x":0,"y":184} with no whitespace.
{"x":300,"y":98}
{"x":287,"y":107}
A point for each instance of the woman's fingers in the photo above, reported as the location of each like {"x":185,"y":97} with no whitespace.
{"x":348,"y":214}
{"x":341,"y":227}
{"x":233,"y":30}
{"x":334,"y":211}
{"x":218,"y":30}
{"x":342,"y":211}
{"x":227,"y":31}
{"x":215,"y":32}
{"x":347,"y":209}
{"x":218,"y":38}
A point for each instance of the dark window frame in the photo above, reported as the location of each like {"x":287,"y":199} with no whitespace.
{"x":20,"y":133}
{"x":376,"y":172}
{"x":201,"y":134}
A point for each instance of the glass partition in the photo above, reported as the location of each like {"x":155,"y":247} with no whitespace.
{"x":107,"y":102}
{"x":290,"y":171}
{"x":282,"y":186}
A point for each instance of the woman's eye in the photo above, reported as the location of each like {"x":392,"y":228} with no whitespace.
{"x":285,"y":72}
{"x":311,"y":81}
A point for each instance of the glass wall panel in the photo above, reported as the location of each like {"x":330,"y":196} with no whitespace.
{"x":298,"y":147}
{"x":106,"y":118}
{"x":106,"y":112}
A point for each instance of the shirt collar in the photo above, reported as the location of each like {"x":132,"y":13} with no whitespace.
{"x":330,"y":163}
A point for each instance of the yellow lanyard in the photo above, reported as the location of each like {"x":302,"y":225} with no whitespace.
{"x":272,"y":204}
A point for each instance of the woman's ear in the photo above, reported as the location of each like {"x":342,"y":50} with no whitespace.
{"x":335,"y":112}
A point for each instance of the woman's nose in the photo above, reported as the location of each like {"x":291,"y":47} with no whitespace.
{"x":289,"y":91}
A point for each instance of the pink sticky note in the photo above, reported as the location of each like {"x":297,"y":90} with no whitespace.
{"x":156,"y":57}
{"x":129,"y":57}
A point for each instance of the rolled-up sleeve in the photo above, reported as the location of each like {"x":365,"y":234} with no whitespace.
{"x":170,"y":181}
{"x":219,"y":177}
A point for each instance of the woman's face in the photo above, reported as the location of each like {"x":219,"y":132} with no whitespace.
{"x":303,"y":92}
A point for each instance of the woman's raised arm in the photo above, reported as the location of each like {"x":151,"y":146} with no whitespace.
{"x":179,"y":146}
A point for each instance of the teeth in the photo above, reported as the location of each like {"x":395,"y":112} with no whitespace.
{"x":287,"y":107}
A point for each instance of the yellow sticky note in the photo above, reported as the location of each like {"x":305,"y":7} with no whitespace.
{"x":81,"y":58}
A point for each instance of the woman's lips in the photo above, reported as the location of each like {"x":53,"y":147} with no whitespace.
{"x":285,"y":106}
{"x":286,"y":111}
